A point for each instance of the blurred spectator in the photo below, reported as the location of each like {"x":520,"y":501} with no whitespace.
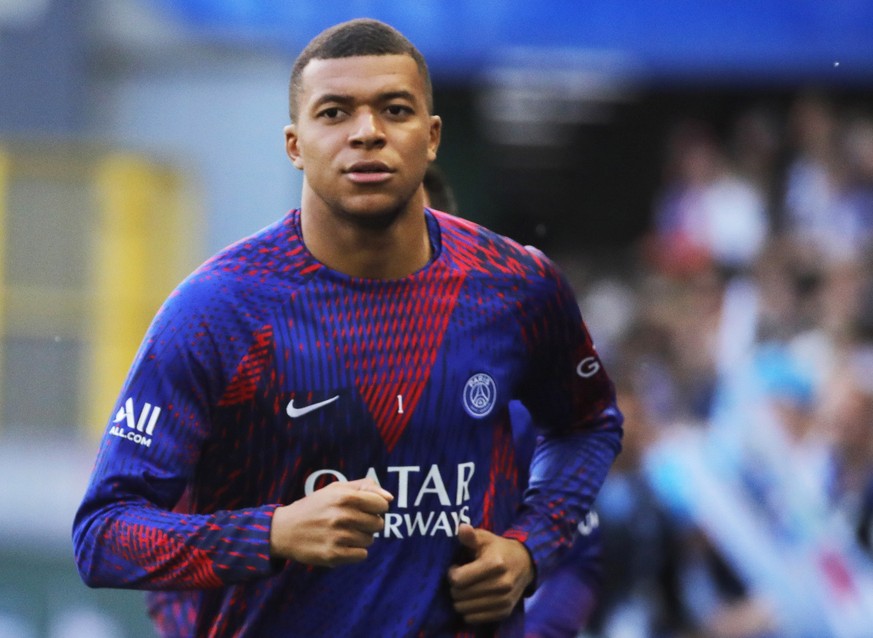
{"x":854,"y":202}
{"x":641,"y":545}
{"x":438,"y":193}
{"x":756,"y":364}
{"x":755,"y":148}
{"x":706,"y":213}
{"x":813,"y":176}
{"x":847,"y":419}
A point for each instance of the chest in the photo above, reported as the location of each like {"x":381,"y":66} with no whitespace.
{"x":444,"y":356}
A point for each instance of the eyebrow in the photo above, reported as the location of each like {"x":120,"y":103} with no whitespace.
{"x":394,"y":95}
{"x":344,"y":99}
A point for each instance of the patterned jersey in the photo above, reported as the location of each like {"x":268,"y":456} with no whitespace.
{"x":566,"y":598}
{"x":267,"y":375}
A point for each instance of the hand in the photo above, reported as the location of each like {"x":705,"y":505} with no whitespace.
{"x":332,"y":526}
{"x":488,"y":588}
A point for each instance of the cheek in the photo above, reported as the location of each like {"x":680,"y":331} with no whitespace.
{"x":315,"y":157}
{"x":318,"y":147}
{"x":422,"y":148}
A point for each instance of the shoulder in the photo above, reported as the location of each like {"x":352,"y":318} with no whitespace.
{"x":241,"y":284}
{"x":268,"y":263}
{"x":482,"y":250}
{"x":275,"y":251}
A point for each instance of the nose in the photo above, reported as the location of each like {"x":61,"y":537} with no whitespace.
{"x":367,"y":132}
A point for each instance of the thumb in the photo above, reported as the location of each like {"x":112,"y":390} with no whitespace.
{"x":467,"y":537}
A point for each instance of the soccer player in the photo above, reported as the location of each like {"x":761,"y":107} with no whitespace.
{"x":314,"y":437}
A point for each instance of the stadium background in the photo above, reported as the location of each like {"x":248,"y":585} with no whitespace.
{"x":139,"y":136}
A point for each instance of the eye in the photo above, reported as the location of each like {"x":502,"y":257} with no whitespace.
{"x":399,"y":110}
{"x":330,"y":113}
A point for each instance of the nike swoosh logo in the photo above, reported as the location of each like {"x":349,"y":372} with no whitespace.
{"x":296,"y":412}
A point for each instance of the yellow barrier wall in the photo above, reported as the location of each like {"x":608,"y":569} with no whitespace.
{"x":130,"y":231}
{"x":145,"y":244}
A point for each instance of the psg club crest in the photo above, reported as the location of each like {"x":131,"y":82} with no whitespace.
{"x":480,"y":395}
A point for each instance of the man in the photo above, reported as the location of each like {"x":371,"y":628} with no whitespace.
{"x":314,"y":437}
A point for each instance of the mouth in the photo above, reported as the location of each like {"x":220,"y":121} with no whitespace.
{"x":368,"y":172}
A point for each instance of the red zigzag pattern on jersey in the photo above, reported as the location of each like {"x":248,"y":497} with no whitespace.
{"x":395,"y":352}
{"x":245,"y":381}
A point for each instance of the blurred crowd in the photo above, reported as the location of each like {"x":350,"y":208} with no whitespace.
{"x":741,"y":343}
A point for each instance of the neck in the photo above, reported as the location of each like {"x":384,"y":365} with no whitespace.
{"x":390,"y":247}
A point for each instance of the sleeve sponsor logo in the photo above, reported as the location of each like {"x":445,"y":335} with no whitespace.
{"x":588,"y":367}
{"x":137,"y":426}
{"x":588,"y":524}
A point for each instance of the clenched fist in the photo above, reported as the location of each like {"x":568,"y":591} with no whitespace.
{"x":332,"y":526}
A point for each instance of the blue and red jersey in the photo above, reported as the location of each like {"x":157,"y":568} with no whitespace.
{"x":267,"y":375}
{"x":567,"y":597}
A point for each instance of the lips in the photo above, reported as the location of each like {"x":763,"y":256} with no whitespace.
{"x":368,"y":172}
{"x":368,"y":167}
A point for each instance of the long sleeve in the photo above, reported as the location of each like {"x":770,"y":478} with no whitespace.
{"x":563,"y":605}
{"x":134,"y":527}
{"x":572,"y":399}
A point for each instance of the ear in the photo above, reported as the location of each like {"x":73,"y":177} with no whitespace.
{"x":292,"y":146}
{"x":436,"y":127}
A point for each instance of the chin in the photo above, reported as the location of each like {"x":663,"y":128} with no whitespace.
{"x":372,"y":217}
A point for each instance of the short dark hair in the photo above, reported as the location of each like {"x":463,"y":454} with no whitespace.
{"x":361,"y":36}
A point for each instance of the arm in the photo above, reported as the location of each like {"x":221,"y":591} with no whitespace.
{"x":569,"y":465}
{"x":174,"y":500}
{"x":572,"y":399}
{"x":500,"y":569}
{"x":564,"y":603}
{"x":126,"y":533}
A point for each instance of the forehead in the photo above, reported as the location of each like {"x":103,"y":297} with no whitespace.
{"x":361,"y":77}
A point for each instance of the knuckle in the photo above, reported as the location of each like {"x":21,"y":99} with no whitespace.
{"x":336,"y":518}
{"x":332,"y":555}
